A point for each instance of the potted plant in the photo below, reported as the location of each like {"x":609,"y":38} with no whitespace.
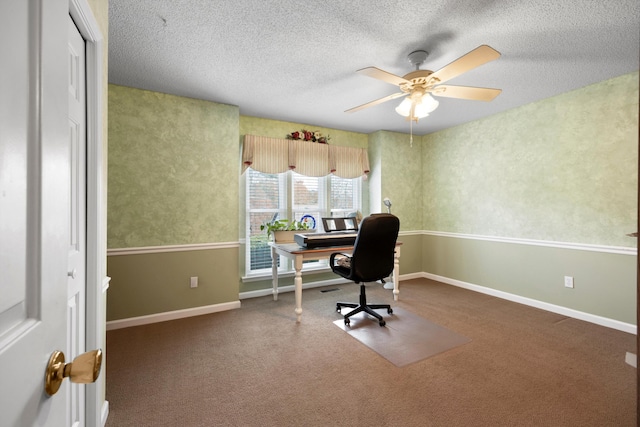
{"x":283,"y":230}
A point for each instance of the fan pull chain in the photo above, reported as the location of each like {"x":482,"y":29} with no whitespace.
{"x":411,"y":133}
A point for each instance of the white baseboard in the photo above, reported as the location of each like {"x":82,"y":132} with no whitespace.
{"x":631,"y":359}
{"x":410,"y":276}
{"x":171,"y":315}
{"x":104,"y":413}
{"x":587,"y":317}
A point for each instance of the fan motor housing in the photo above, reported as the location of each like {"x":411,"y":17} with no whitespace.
{"x":417,"y":78}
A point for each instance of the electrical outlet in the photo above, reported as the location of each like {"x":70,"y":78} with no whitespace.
{"x":194,"y":282}
{"x":568,"y":282}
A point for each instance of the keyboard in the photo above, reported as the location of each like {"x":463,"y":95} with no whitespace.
{"x":320,"y":240}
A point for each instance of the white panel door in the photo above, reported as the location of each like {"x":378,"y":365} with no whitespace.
{"x":76,"y":270}
{"x":34,"y":207}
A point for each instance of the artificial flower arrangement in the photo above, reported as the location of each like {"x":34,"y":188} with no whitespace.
{"x":307,"y":135}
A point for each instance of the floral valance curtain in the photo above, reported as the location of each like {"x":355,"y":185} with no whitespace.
{"x":274,"y":155}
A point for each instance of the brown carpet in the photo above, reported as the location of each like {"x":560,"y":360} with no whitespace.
{"x":256,"y":366}
{"x":406,"y":338}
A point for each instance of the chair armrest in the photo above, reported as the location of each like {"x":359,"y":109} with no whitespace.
{"x":333,"y":256}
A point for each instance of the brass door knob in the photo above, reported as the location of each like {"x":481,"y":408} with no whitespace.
{"x":83,"y":370}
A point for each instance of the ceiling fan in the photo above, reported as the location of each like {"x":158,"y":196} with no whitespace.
{"x":419,"y":85}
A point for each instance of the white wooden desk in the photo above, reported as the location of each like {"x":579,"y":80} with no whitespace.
{"x":299,"y":255}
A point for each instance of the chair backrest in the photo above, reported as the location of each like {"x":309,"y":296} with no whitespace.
{"x":372,"y":257}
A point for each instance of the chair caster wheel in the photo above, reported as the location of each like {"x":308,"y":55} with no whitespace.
{"x":347,"y":322}
{"x":390,"y":311}
{"x":382,"y":323}
{"x":338,"y":308}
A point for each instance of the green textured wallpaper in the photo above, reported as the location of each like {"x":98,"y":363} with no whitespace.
{"x":376,"y":140}
{"x":399,"y":176}
{"x":173,"y":170}
{"x":560,"y":169}
{"x":279,"y":129}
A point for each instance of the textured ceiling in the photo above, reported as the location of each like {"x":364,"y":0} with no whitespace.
{"x":296,"y":60}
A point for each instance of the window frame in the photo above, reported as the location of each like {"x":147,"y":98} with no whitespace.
{"x":287,"y":209}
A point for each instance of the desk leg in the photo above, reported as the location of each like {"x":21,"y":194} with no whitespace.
{"x":274,"y":273}
{"x":297,"y":281}
{"x":396,"y":272}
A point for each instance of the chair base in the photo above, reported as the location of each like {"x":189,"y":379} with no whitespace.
{"x":363,"y":306}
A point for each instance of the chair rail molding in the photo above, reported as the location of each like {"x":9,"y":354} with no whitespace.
{"x":172,"y":248}
{"x":622,"y":250}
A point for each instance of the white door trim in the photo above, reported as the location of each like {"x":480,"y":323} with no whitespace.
{"x":97,"y":408}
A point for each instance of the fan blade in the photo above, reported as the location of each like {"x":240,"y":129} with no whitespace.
{"x":475,"y":58}
{"x":376,"y":102}
{"x":385,"y":76}
{"x":466,"y":92}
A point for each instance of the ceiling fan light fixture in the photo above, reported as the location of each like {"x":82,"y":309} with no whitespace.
{"x":419,"y":112}
{"x":404,"y":108}
{"x":428,"y":103}
{"x":425,"y":105}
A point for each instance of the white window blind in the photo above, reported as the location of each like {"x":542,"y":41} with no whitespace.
{"x":291,"y":195}
{"x":266,"y":196}
{"x":345,"y":196}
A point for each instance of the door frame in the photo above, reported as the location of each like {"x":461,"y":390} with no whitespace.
{"x":97,"y":282}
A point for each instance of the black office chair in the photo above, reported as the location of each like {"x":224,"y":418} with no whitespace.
{"x":371,"y":260}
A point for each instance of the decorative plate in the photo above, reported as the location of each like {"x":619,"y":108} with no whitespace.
{"x":309,"y":220}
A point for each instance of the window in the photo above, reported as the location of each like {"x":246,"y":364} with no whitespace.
{"x":291,"y":195}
